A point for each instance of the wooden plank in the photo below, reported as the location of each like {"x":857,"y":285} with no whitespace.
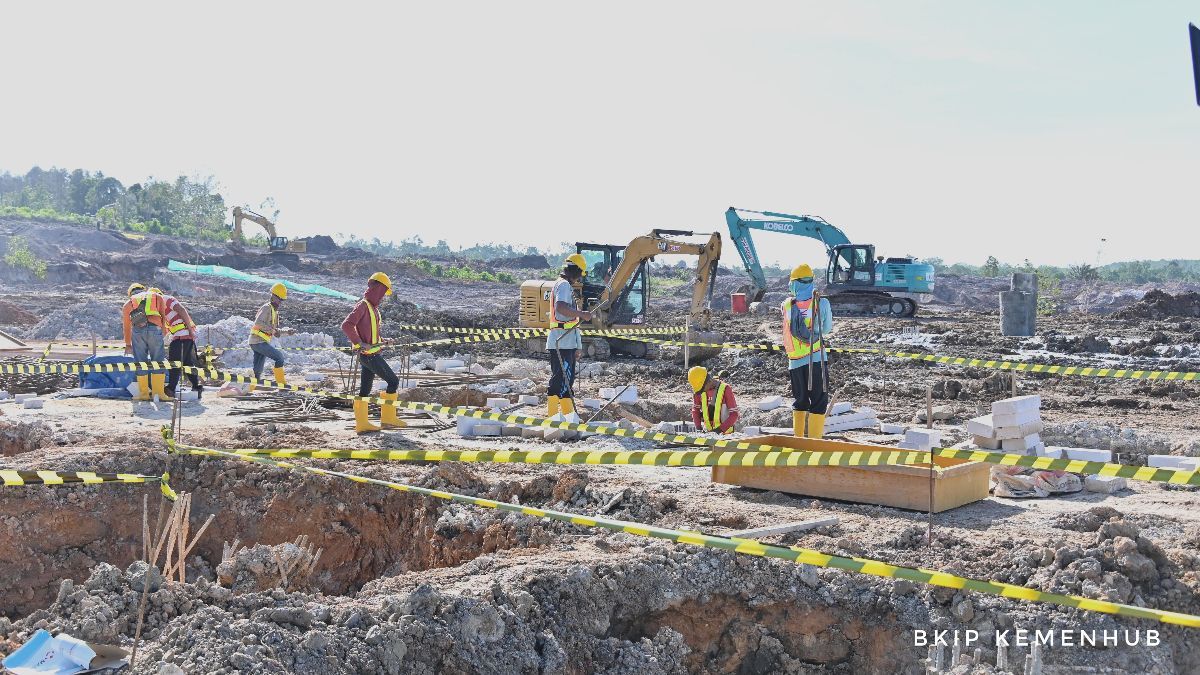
{"x":798,"y":526}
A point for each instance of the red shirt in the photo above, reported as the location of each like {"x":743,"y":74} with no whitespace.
{"x":728,"y":401}
{"x":357,"y":325}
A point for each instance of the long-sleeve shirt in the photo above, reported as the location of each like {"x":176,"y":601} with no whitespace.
{"x":157,"y":310}
{"x":728,"y":409}
{"x":267,"y":322}
{"x":178,"y":321}
{"x":357,"y":325}
{"x":821,"y":328}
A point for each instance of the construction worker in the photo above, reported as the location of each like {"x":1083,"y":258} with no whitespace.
{"x":142,"y":321}
{"x":563,"y":342}
{"x":804,"y":326}
{"x":362,"y":328}
{"x":714,"y":407}
{"x":266,"y":326}
{"x":181,"y":332}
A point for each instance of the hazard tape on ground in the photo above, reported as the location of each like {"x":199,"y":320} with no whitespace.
{"x":793,"y":554}
{"x":666,"y":330}
{"x":727,"y":444}
{"x":75,"y":368}
{"x":672,"y":458}
{"x":83,"y":344}
{"x":13,"y":478}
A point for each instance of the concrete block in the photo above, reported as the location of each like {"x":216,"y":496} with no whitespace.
{"x":4,"y":394}
{"x":889,"y":428}
{"x":527,"y":399}
{"x":314,"y":377}
{"x":533,"y":432}
{"x":487,"y":429}
{"x":1104,"y":484}
{"x":922,"y":439}
{"x":189,"y":395}
{"x":840,"y":408}
{"x":770,"y":403}
{"x":626,"y":424}
{"x":1019,"y":430}
{"x":477,"y":369}
{"x":1052,"y":452}
{"x":553,"y":434}
{"x":1018,"y":404}
{"x":847,"y":425}
{"x":1173,"y":462}
{"x":752,"y":431}
{"x":1018,"y":313}
{"x":1015,"y":419}
{"x":512,"y":430}
{"x":981,"y":426}
{"x":464,"y":425}
{"x":444,"y":365}
{"x":628,"y":395}
{"x":1021,"y":445}
{"x":986,"y":442}
{"x":941,"y":413}
{"x":593,"y":403}
{"x":1026,"y":282}
{"x":21,"y":398}
{"x":1088,"y":454}
{"x":497,"y":403}
{"x":34,"y":403}
{"x":457,"y":370}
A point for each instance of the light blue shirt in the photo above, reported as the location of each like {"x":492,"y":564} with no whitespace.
{"x":562,"y":292}
{"x":823,"y":326}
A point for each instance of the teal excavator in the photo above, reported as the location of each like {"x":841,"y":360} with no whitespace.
{"x":856,"y":282}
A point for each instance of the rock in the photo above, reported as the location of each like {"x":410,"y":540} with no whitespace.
{"x":1104,"y":484}
{"x":941,"y":413}
{"x":136,"y":574}
{"x":963,"y":610}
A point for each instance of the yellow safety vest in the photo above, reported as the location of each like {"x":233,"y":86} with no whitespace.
{"x":794,"y":346}
{"x":274,"y":323}
{"x":709,"y":415}
{"x":375,"y":344}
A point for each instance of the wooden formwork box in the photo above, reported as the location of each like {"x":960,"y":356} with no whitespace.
{"x":905,"y":486}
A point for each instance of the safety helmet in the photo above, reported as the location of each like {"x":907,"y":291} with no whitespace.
{"x":697,"y":376}
{"x":279,"y":291}
{"x":383,"y":279}
{"x":155,"y":290}
{"x":577,"y":260}
{"x":135,"y":287}
{"x":801,"y":272}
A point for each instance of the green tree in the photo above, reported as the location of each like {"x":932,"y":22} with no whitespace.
{"x":1084,"y":272}
{"x":991,"y":268}
{"x":19,"y":256}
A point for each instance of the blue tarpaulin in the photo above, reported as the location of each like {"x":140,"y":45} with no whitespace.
{"x":238,"y":275}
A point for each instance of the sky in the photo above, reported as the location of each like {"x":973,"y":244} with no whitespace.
{"x":1019,"y":129}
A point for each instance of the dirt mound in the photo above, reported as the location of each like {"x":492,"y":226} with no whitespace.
{"x":81,"y":321}
{"x":169,"y":247}
{"x":11,"y":315}
{"x":522,"y":262}
{"x":320,"y":244}
{"x":1158,"y":304}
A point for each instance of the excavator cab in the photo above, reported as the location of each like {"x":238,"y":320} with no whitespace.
{"x":602,"y":259}
{"x":851,"y":265}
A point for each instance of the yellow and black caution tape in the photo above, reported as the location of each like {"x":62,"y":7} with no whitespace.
{"x":12,"y":478}
{"x":793,"y":554}
{"x":602,"y":457}
{"x":71,"y":368}
{"x":727,"y":444}
{"x":82,"y":344}
{"x":666,"y":330}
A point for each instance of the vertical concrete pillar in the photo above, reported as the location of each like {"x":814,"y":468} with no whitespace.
{"x":1018,"y":306}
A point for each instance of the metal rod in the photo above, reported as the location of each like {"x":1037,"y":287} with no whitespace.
{"x":929,"y":425}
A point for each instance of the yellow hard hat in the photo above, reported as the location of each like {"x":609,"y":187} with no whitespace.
{"x":279,"y":291}
{"x":577,"y":260}
{"x":383,"y":279}
{"x":801,"y":272}
{"x":155,"y":290}
{"x":135,"y":287}
{"x":697,"y":376}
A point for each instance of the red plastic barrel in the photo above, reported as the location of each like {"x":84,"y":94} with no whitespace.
{"x":739,"y":303}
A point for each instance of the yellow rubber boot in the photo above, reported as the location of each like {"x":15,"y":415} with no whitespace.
{"x":798,"y":419}
{"x":387,"y":413}
{"x":567,"y":405}
{"x":280,"y":377}
{"x":816,"y":426}
{"x":158,"y":383}
{"x":143,"y":382}
{"x":361,"y":424}
{"x":551,"y":406}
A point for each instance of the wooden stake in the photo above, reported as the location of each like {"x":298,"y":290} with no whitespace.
{"x":199,"y":533}
{"x":1014,"y":384}
{"x":146,"y":528}
{"x":687,"y":329}
{"x":929,"y":425}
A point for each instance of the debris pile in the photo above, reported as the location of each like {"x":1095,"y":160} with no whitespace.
{"x":80,"y":322}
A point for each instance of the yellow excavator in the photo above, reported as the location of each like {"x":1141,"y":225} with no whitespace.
{"x":275,"y":243}
{"x":616,"y":290}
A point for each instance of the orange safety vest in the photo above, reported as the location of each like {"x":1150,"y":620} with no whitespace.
{"x":147,"y":308}
{"x":274,"y":323}
{"x":794,"y":346}
{"x":376,"y":345}
{"x":712,"y":414}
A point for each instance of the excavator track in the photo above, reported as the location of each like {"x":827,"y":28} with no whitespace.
{"x":868,"y":304}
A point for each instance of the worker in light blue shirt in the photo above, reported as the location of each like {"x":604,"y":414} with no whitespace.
{"x":807,"y":358}
{"x":563,"y":342}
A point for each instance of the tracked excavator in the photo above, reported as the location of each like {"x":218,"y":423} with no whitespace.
{"x":616,"y":290}
{"x":276,"y":244}
{"x":856,"y":282}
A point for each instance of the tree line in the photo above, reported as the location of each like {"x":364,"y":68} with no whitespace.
{"x":1131,"y":272}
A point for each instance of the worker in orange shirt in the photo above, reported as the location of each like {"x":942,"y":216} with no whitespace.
{"x":142,"y":318}
{"x":714,"y":407}
{"x":362,"y":328}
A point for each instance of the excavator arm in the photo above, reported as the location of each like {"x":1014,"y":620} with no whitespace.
{"x":805,"y":226}
{"x":659,"y":242}
{"x":240,"y":214}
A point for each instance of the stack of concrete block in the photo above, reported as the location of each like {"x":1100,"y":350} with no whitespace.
{"x":844,"y":417}
{"x":921,"y":439}
{"x":1013,"y":427}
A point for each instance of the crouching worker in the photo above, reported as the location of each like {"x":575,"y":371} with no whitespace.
{"x":266,"y":326}
{"x":714,"y":407}
{"x":804,"y":327}
{"x":362,"y":328}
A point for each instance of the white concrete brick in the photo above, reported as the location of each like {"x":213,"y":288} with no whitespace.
{"x":981,"y":426}
{"x":922,"y":439}
{"x":752,"y":431}
{"x":770,"y":403}
{"x":864,"y":414}
{"x":1088,"y":454}
{"x":465,"y":424}
{"x":4,"y":394}
{"x":34,"y":403}
{"x":1021,"y":445}
{"x":533,"y":432}
{"x":512,"y":430}
{"x":1105,"y":484}
{"x":21,"y":398}
{"x":498,"y":402}
{"x":594,"y":403}
{"x":846,"y":425}
{"x":458,"y":370}
{"x":889,"y":428}
{"x":527,"y":399}
{"x":189,"y":395}
{"x":1031,"y":403}
{"x":444,"y":365}
{"x":553,"y":434}
{"x":487,"y":429}
{"x":1020,"y":430}
{"x":840,"y":408}
{"x":477,"y":369}
{"x":1053,"y":452}
{"x":987,"y":443}
{"x":1014,"y":419}
{"x":314,"y":377}
{"x":1173,"y":462}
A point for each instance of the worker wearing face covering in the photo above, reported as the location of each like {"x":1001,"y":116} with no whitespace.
{"x":805,"y":324}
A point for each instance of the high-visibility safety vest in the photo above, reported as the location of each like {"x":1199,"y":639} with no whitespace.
{"x":274,"y":323}
{"x":376,"y":345}
{"x":554,"y":321}
{"x":145,"y":308}
{"x":794,"y":346}
{"x":711,"y":415}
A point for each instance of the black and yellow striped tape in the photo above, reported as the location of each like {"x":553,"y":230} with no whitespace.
{"x":751,"y":547}
{"x":665,"y":330}
{"x":73,"y":368}
{"x":13,"y":478}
